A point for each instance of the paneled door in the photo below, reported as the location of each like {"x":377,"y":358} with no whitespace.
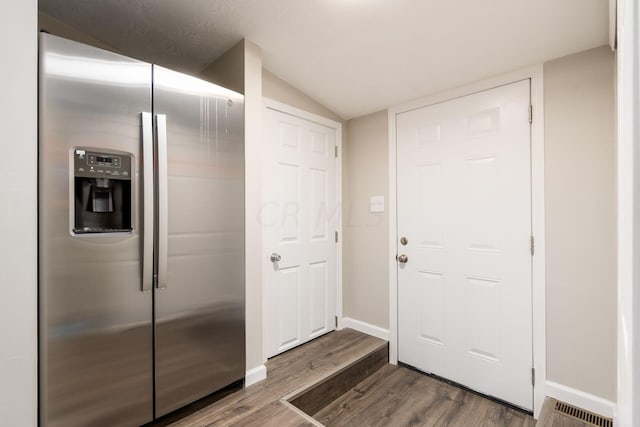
{"x":464,"y":230}
{"x":300,"y":218}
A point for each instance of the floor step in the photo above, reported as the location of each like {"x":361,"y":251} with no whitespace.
{"x":343,"y":379}
{"x":341,"y":356}
{"x":318,"y":395}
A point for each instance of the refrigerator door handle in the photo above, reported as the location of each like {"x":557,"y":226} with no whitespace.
{"x":147,"y":202}
{"x":163,"y":206}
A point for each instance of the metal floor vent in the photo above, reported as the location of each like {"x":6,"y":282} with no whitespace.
{"x":582,"y":415}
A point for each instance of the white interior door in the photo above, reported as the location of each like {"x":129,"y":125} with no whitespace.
{"x":464,"y":206}
{"x":300,"y":218}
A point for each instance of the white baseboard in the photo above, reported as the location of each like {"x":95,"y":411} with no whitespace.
{"x":365,"y":328}
{"x":255,"y":375}
{"x":581,"y":399}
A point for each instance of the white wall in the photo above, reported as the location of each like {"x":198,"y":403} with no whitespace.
{"x":580,"y":200}
{"x":18,"y":215}
{"x":628,"y":213}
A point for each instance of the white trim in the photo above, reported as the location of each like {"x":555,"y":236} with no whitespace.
{"x":537,"y":210}
{"x":337,"y":126}
{"x":393,"y":240}
{"x":365,"y":328}
{"x":582,"y":400}
{"x":255,"y":375}
{"x":628,"y":165}
{"x":538,"y":291}
{"x":297,"y":112}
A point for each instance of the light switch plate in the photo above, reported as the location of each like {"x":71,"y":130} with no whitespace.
{"x":376,"y":204}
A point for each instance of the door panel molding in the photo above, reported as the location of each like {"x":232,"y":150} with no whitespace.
{"x":318,"y":148}
{"x":535,"y":74}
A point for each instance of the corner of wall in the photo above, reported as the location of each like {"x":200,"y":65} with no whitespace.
{"x":252,"y":60}
{"x":18,"y":211}
{"x":229,"y":69}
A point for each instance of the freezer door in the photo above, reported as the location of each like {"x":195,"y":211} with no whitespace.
{"x":199,"y":299}
{"x":95,"y":319}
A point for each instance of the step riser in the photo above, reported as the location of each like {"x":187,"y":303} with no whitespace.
{"x":321,"y":394}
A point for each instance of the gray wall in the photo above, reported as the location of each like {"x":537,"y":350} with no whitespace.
{"x":18,"y":214}
{"x":366,"y":235}
{"x":580,"y":197}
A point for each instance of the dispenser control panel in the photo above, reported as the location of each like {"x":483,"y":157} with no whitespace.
{"x":102,"y":189}
{"x":91,"y":164}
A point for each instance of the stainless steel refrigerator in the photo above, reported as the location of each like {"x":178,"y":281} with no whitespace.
{"x":141,"y":237}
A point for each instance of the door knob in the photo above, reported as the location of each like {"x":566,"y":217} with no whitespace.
{"x":275,"y":257}
{"x":403,"y":258}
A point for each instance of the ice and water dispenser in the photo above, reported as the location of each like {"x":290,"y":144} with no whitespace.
{"x":102,"y":191}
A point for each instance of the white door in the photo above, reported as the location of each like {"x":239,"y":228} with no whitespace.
{"x":300,"y":218}
{"x":464,"y":206}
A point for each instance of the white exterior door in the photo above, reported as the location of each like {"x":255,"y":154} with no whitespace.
{"x":464,"y":206}
{"x":300,"y":218}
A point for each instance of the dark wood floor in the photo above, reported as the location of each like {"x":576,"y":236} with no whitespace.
{"x":261,"y":404}
{"x":391,"y":396}
{"x":398,"y":396}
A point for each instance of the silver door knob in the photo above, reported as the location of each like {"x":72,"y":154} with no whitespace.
{"x":403,"y":258}
{"x":275,"y":257}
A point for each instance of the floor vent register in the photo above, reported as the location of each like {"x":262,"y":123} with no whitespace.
{"x":582,"y":415}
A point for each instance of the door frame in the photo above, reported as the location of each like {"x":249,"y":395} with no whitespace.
{"x":535,"y":74}
{"x":271,"y":104}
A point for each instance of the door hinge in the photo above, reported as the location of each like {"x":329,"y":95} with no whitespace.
{"x":336,"y":151}
{"x":530,"y":113}
{"x":533,"y":376}
{"x":336,"y":320}
{"x":533,"y":246}
{"x":336,"y":237}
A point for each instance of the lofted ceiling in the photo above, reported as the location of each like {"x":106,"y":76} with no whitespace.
{"x":353,"y":56}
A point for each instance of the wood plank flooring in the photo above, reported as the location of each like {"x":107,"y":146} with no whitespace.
{"x":259,"y":404}
{"x":391,"y":396}
{"x":397,"y":396}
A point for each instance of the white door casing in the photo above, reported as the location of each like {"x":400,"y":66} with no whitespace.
{"x":300,"y":218}
{"x":464,"y":204}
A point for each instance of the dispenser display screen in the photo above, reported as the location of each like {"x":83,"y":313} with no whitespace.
{"x":102,"y":160}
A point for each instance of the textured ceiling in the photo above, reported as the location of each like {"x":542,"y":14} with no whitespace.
{"x":353,"y":56}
